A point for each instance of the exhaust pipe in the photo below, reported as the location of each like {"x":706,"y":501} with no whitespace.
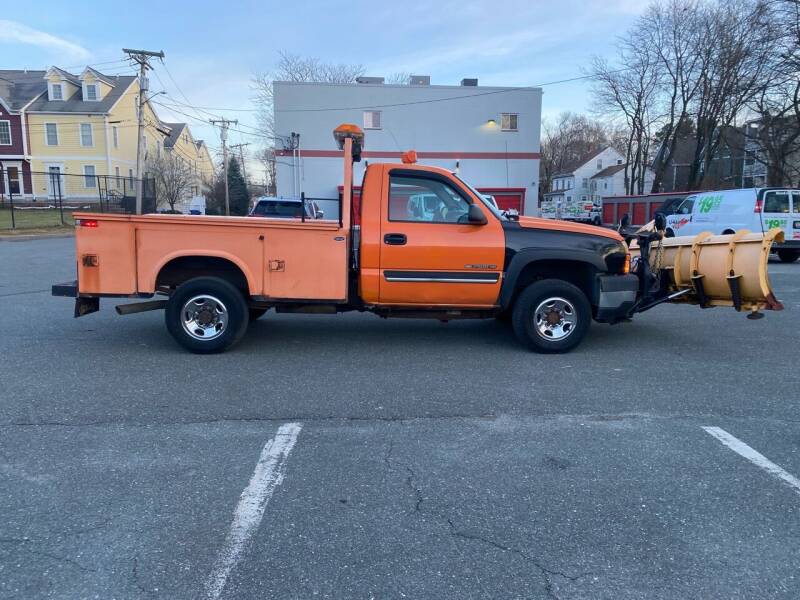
{"x":129,"y":309}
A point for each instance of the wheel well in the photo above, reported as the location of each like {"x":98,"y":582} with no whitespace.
{"x":183,"y":268}
{"x":727,"y":231}
{"x":578,"y":273}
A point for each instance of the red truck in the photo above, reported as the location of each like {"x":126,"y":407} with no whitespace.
{"x":428,"y":245}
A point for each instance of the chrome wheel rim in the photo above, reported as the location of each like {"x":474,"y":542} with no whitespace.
{"x":555,"y":319}
{"x":204,"y":317}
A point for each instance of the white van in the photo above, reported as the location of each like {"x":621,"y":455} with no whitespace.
{"x":728,"y":211}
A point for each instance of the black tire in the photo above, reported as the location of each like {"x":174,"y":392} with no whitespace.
{"x":221,"y":335}
{"x":534,"y":297}
{"x":788,"y":256}
{"x":669,"y":233}
{"x":257,"y":313}
{"x":597,"y":221}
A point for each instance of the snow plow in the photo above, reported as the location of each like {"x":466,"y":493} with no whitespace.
{"x":706,"y":269}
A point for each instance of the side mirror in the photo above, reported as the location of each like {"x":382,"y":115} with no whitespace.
{"x":660,"y":221}
{"x":475,"y":215}
{"x":624,"y":222}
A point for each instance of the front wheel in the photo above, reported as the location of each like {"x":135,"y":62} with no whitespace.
{"x":206,"y":315}
{"x":788,"y":256}
{"x":551,"y":316}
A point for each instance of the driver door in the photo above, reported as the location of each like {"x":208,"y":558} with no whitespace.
{"x":430,"y":255}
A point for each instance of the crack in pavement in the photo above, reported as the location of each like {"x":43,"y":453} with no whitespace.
{"x":135,"y":576}
{"x":546,"y":572}
{"x":24,"y":542}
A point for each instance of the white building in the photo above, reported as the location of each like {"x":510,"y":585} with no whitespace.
{"x":489,"y":135}
{"x":574,"y":182}
{"x":611,"y":182}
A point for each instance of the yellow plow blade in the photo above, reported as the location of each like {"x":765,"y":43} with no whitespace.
{"x":717,"y":270}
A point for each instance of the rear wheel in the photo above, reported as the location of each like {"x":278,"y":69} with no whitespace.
{"x":788,"y":256}
{"x":551,"y":316}
{"x":206,"y":315}
{"x":669,"y":233}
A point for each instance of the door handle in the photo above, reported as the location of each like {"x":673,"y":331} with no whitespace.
{"x":395,"y":239}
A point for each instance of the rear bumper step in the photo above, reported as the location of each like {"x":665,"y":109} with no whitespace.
{"x":67,"y":289}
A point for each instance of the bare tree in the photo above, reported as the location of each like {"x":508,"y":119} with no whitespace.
{"x":174,"y":178}
{"x":292,"y":67}
{"x":267,"y":158}
{"x":672,"y":32}
{"x":736,"y":61}
{"x":399,"y":78}
{"x":567,"y":139}
{"x":772,"y":136}
{"x":628,"y":93}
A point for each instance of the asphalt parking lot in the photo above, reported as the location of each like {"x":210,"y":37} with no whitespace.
{"x":352,"y":457}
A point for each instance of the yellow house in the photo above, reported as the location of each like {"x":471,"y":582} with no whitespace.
{"x":193,"y":154}
{"x":83,"y":134}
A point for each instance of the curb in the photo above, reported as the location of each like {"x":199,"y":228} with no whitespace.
{"x":35,"y":236}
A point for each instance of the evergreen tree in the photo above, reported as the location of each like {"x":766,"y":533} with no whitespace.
{"x":237,"y":189}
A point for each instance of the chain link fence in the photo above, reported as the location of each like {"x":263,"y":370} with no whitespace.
{"x":42,"y":199}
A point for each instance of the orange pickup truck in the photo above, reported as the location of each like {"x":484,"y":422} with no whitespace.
{"x":428,"y":245}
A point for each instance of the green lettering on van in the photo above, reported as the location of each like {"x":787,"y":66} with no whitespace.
{"x":709,"y":203}
{"x":770,"y":223}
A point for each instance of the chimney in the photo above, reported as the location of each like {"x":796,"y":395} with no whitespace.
{"x":373,"y":80}
{"x":469,"y":82}
{"x":420,"y":80}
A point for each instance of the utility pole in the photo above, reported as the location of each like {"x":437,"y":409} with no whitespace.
{"x":224,"y":123}
{"x":241,"y":158}
{"x":143,"y":58}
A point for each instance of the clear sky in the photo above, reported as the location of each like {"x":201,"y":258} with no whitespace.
{"x":214,"y":48}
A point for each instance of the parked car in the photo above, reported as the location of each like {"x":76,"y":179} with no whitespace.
{"x":729,"y":211}
{"x":285,"y":208}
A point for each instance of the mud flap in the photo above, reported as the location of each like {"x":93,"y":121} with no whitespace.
{"x":85,"y":306}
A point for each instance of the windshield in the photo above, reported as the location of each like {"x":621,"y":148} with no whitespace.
{"x":495,"y":211}
{"x":277,"y":208}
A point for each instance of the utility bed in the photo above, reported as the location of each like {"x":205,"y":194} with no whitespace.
{"x":129,"y":255}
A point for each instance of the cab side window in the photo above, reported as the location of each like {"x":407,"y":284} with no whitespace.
{"x":423,"y":200}
{"x":776,"y":202}
{"x":686,"y":206}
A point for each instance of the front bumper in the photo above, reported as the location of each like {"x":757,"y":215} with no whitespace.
{"x":616,"y":296}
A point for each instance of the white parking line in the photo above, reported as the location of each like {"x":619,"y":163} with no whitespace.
{"x":267,"y":476}
{"x":753,"y":456}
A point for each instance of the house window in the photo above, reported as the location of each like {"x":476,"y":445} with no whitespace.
{"x":116,"y":175}
{"x":14,"y":183}
{"x":5,"y":133}
{"x":89,"y":180}
{"x":91,"y":92}
{"x":372,"y":119}
{"x":51,"y":134}
{"x":599,"y":164}
{"x":508,"y":121}
{"x":86,"y":135}
{"x":585,"y":183}
{"x":56,"y":92}
{"x":115,"y":136}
